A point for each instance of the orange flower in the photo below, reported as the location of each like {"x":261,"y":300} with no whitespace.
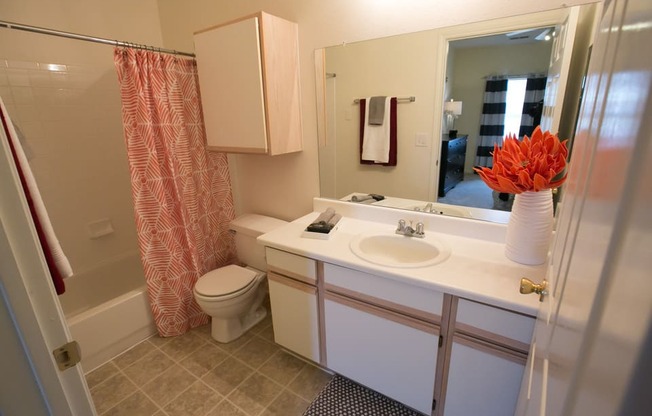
{"x":528,"y":165}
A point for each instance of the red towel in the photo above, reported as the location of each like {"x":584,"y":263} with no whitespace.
{"x":392,"y":133}
{"x":56,"y":261}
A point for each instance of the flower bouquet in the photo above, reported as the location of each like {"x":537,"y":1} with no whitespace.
{"x":529,"y":168}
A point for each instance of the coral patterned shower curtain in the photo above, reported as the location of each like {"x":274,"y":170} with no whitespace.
{"x":182,"y":193}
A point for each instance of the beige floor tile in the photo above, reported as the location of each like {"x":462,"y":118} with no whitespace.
{"x":135,"y":405}
{"x":256,"y":352}
{"x":204,"y":359}
{"x":310,"y":381}
{"x":255,"y":394}
{"x":197,"y":400}
{"x":111,"y":392}
{"x":168,"y":385}
{"x":267,"y":333}
{"x":227,"y":376}
{"x":265,"y":323}
{"x":282,"y":367}
{"x":235,"y":345}
{"x":203,"y":331}
{"x":101,"y":373}
{"x":149,"y":367}
{"x":226,"y":408}
{"x":195,"y":375}
{"x":158,"y":341}
{"x":181,"y":346}
{"x":134,"y":354}
{"x":287,"y":404}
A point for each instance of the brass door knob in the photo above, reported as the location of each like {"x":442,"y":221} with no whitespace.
{"x":528,"y":286}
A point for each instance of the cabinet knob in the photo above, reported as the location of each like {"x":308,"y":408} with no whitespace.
{"x":528,"y":286}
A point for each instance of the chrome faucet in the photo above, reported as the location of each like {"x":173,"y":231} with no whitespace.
{"x":428,"y":207}
{"x":408,"y":231}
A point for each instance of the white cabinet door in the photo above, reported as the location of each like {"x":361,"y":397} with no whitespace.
{"x":230,"y":75}
{"x":481,"y":382}
{"x":386,"y":352}
{"x":295,"y":317}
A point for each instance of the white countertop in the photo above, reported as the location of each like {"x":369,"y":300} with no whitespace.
{"x":477,"y":268}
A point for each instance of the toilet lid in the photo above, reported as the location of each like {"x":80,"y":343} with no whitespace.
{"x":225,"y":281}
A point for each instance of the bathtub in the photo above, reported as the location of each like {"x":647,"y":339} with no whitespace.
{"x":107,"y":309}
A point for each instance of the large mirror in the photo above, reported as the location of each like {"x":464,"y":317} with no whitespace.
{"x":424,"y":70}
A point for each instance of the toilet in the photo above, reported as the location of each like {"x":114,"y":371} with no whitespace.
{"x":233,"y":295}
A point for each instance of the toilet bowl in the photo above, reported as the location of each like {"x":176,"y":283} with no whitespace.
{"x":233,"y":295}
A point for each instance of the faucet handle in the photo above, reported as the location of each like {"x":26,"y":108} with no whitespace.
{"x":401,"y":225}
{"x":419,"y":229}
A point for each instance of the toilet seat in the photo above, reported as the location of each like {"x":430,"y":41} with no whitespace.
{"x":226,"y":282}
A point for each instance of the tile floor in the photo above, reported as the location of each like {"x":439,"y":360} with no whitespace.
{"x":193,"y":375}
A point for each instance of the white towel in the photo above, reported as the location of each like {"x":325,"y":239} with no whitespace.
{"x":61,"y":261}
{"x":375,"y":139}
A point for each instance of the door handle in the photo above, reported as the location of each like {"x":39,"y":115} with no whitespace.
{"x":528,"y":286}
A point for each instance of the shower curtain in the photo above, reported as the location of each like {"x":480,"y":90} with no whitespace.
{"x":492,"y":120}
{"x":182,"y":194}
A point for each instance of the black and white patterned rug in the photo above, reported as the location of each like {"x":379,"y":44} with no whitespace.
{"x":343,"y":397}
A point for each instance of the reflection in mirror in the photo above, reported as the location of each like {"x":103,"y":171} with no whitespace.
{"x":433,"y":170}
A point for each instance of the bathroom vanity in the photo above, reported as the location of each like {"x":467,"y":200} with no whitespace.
{"x":439,"y":326}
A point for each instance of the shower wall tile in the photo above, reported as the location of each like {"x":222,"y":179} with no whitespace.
{"x":22,"y":95}
{"x":18,"y":78}
{"x":70,"y":116}
{"x":22,"y":64}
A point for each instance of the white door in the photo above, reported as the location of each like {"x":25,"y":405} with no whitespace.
{"x":560,"y":60}
{"x":592,"y":326}
{"x":36,"y":316}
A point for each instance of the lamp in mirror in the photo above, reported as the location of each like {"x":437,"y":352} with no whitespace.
{"x":452,"y":109}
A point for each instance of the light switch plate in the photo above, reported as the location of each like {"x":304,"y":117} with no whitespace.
{"x":421,"y":140}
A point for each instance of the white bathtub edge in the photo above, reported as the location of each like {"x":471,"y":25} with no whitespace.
{"x":108,"y":330}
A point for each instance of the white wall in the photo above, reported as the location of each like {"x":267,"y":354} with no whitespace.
{"x":284,"y":185}
{"x":399,"y":66}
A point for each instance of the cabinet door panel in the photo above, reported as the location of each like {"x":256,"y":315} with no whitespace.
{"x":481,"y":383}
{"x":230,"y":75}
{"x":392,"y":358}
{"x":295,"y":315}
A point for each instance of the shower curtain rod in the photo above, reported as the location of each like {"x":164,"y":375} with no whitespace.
{"x":45,"y":31}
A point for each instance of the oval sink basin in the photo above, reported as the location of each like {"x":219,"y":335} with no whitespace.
{"x":395,"y":250}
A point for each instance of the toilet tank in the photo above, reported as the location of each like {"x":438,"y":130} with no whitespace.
{"x":247,"y":228}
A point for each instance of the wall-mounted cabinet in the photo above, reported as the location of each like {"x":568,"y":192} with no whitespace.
{"x":249,"y":81}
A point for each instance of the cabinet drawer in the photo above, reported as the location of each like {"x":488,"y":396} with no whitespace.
{"x":390,"y":294}
{"x":291,"y":265}
{"x":494,"y":324}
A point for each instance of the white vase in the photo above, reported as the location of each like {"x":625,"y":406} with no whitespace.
{"x":529,"y":230}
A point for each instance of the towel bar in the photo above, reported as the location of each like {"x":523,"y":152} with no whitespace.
{"x":398,"y":99}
